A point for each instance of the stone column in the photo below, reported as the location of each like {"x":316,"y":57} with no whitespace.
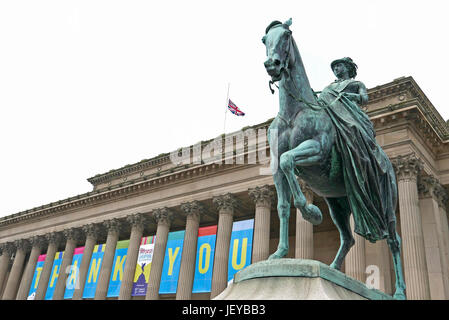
{"x":355,"y":261}
{"x":113,"y":228}
{"x":415,"y":265}
{"x":263,"y":198}
{"x":163,"y":218}
{"x":226,"y":205}
{"x":12,"y":285}
{"x":433,"y":242}
{"x":72,"y":236}
{"x":53,"y":240}
{"x":92,"y":232}
{"x":137,"y":222}
{"x":193,"y":211}
{"x":304,"y":229}
{"x":443,"y":234}
{"x":7,"y":251}
{"x":37,"y":243}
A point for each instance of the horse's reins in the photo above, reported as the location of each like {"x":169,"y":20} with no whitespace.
{"x":300,"y":99}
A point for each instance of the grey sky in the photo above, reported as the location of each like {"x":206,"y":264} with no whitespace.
{"x":90,"y":86}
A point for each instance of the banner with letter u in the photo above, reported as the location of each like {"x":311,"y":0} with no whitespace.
{"x":240,"y":248}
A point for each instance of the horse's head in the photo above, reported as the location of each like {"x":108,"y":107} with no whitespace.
{"x":278,"y":42}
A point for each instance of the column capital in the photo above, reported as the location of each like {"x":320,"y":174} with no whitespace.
{"x":93,"y":230}
{"x":38,"y":241}
{"x":8,"y":248}
{"x":441,"y":195}
{"x":427,"y":185}
{"x":163,"y":215}
{"x":54,"y":238}
{"x":263,"y":196}
{"x":227,"y":202}
{"x":22,"y":244}
{"x":407,"y":167}
{"x":113,"y":225}
{"x":137,"y":220}
{"x":73,"y":234}
{"x":193,"y":209}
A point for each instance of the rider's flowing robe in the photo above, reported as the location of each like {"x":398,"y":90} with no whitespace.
{"x":368,"y":174}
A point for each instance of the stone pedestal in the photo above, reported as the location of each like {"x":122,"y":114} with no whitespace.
{"x":296,"y":279}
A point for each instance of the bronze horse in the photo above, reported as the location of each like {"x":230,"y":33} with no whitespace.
{"x":328,"y":142}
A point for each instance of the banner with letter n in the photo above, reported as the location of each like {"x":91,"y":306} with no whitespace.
{"x":55,"y":270}
{"x":172,"y":262}
{"x":143,"y":266}
{"x":36,"y":276}
{"x":240,"y":247}
{"x":94,"y":271}
{"x":204,"y":259}
{"x":118,"y":267}
{"x":73,"y":275}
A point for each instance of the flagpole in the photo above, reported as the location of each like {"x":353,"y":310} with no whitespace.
{"x":226,"y":110}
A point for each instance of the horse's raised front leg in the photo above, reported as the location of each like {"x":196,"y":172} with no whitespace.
{"x":307,"y":153}
{"x":284,"y":198}
{"x":340,"y":213}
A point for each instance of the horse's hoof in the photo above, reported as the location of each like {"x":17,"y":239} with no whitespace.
{"x":333,"y":265}
{"x":280,"y":253}
{"x":313,"y":214}
{"x":399,"y":296}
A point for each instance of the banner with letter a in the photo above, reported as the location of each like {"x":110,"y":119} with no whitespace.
{"x":172,"y":262}
{"x":240,"y":247}
{"x":143,"y":266}
{"x":204,"y":259}
{"x":74,"y":273}
{"x":118,"y":267}
{"x":94,"y":271}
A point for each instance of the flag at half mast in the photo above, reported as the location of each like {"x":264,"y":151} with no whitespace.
{"x":234,"y":109}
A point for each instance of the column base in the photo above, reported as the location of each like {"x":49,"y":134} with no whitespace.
{"x":296,"y":279}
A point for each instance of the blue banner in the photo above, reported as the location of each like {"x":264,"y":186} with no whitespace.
{"x":118,"y":267}
{"x":172,"y":262}
{"x":240,"y":246}
{"x":94,"y":271}
{"x":54,"y":275}
{"x":204,"y":259}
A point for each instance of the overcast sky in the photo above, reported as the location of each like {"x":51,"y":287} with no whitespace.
{"x":90,"y":86}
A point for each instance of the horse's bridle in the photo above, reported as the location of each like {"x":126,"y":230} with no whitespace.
{"x":284,"y":65}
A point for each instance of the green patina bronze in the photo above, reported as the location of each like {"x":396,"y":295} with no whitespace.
{"x":329,"y":142}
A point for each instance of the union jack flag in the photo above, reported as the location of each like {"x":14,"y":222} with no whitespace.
{"x":234,"y":109}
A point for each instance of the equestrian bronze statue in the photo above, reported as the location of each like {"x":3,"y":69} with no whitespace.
{"x":328,"y":141}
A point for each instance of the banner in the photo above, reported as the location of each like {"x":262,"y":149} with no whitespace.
{"x":172,"y":262}
{"x":94,"y":271}
{"x":73,"y":276}
{"x":240,"y":246}
{"x":118,"y":267}
{"x":54,"y":275}
{"x":143,"y":266}
{"x":36,"y":276}
{"x":204,"y":259}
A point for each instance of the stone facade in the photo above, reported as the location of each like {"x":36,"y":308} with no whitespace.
{"x":156,"y":196}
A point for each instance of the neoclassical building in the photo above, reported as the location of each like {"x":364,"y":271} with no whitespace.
{"x":195,"y":221}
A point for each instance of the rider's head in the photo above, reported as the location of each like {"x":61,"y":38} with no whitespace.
{"x":340,"y":65}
